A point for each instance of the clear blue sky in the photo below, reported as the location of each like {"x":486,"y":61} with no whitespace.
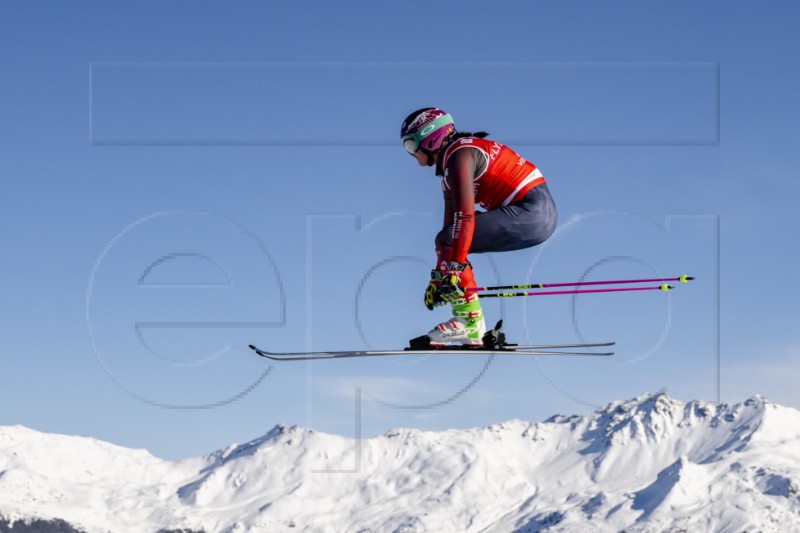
{"x":182,"y":179}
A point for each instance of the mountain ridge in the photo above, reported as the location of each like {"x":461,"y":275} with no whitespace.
{"x":650,"y":463}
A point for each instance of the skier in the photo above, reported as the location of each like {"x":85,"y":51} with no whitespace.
{"x":520,"y":213}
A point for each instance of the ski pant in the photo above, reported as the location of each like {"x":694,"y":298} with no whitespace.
{"x":523,"y":224}
{"x":512,"y":227}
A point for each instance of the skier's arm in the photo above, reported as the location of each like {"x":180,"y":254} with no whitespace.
{"x":458,"y":177}
{"x":448,"y":209}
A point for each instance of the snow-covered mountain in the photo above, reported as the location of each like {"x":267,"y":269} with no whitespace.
{"x":644,"y":465}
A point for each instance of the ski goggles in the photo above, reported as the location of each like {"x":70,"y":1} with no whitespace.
{"x":412,"y":141}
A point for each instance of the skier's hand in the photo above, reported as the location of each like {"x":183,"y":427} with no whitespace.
{"x":433,"y":292}
{"x":451,"y":279}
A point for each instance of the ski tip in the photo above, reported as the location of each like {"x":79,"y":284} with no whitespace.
{"x":685,"y":278}
{"x":666,"y":287}
{"x":252,"y":347}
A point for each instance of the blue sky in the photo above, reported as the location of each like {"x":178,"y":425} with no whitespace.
{"x":183,"y":179}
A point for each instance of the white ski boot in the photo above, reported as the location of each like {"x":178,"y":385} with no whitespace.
{"x":467,"y":327}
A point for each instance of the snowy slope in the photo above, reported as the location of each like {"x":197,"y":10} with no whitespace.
{"x":648,"y":464}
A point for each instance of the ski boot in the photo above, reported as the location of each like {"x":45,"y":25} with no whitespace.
{"x":466,"y":328}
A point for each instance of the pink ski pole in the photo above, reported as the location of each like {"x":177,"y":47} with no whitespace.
{"x":682,"y":279}
{"x":573,"y":291}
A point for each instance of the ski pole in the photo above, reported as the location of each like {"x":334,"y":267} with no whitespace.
{"x":573,"y":291}
{"x":683,"y":279}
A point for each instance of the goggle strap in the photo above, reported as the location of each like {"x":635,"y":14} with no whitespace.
{"x":433,"y":125}
{"x":430,"y":127}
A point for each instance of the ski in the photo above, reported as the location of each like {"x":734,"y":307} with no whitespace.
{"x":504,"y":349}
{"x":494,"y":342}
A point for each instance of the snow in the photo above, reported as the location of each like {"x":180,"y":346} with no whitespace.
{"x":651,"y":463}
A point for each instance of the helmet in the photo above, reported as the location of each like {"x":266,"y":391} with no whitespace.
{"x":426,"y":128}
